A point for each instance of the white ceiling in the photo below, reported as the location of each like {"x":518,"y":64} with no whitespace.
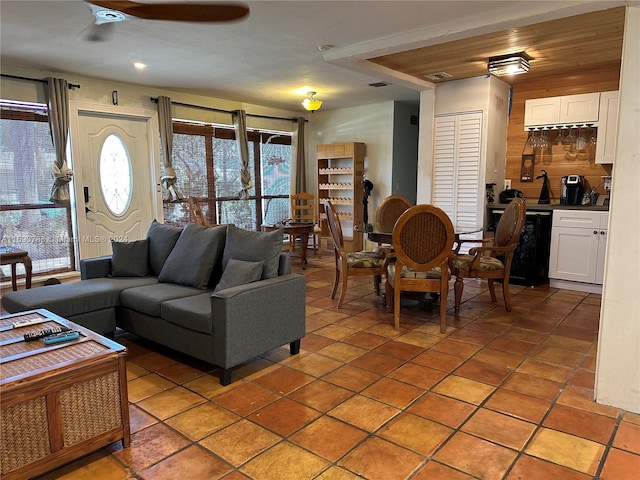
{"x":270,"y":58}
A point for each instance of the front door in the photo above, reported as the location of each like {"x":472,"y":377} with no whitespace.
{"x":117,"y":195}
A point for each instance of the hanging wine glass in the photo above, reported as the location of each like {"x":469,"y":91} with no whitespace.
{"x":533,"y":139}
{"x":593,"y":139}
{"x":543,"y":141}
{"x":560,"y":137}
{"x":581,"y":141}
{"x":570,"y":140}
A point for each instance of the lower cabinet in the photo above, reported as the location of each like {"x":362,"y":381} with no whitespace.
{"x":578,"y":242}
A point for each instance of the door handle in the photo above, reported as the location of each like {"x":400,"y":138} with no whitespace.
{"x":86,"y":194}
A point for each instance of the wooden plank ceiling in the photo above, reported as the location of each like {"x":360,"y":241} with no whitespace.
{"x":565,"y":46}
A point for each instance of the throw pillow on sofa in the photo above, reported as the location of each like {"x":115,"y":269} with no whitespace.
{"x":129,"y":259}
{"x":194,"y":256}
{"x":162,"y":238}
{"x":239,"y":272}
{"x":254,"y":247}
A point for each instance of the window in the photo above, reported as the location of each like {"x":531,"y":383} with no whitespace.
{"x":207,"y":165}
{"x":28,"y":220}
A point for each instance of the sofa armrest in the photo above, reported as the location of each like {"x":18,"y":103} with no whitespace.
{"x":96,"y":267}
{"x":252,"y":319}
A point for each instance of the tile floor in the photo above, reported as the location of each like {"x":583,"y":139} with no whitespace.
{"x":499,"y":396}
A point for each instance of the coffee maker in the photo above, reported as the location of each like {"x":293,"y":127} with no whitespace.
{"x":571,"y":190}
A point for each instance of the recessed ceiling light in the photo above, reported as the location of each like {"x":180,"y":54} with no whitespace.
{"x":324,"y":48}
{"x":139,"y":65}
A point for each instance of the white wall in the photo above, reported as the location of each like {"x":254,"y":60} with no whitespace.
{"x":618,"y":357}
{"x":371,"y":125}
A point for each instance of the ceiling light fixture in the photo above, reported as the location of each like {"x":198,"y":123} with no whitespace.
{"x":310,"y":103}
{"x":511,"y":64}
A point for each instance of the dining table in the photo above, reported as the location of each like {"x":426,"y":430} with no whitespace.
{"x":291,"y":228}
{"x":376,"y":233}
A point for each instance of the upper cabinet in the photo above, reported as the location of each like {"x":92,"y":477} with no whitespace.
{"x":607,"y":127}
{"x":564,"y":110}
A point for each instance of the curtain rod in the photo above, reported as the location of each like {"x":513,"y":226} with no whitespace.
{"x":219,"y":110}
{"x":41,"y":80}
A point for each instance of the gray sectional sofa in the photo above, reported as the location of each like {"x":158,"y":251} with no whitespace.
{"x":220,"y":294}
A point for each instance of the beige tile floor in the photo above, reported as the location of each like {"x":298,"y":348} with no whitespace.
{"x":499,"y":396}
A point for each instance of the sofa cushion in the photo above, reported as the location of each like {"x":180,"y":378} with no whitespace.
{"x":162,"y":238}
{"x":193,"y":257}
{"x":193,"y":313}
{"x":130,"y":259}
{"x":68,"y":299}
{"x":254,"y":247}
{"x":239,"y":272}
{"x":148,"y":299}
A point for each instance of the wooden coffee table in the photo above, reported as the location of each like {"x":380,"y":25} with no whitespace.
{"x":59,"y":402}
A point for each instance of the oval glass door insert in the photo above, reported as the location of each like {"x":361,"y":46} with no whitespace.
{"x":115,"y":175}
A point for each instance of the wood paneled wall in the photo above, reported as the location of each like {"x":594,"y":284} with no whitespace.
{"x":558,"y":163}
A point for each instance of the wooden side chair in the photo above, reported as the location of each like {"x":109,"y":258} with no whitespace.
{"x":303,"y":209}
{"x":351,"y":264}
{"x":195,"y":211}
{"x":492,"y":262}
{"x":389,"y":211}
{"x":422,"y":243}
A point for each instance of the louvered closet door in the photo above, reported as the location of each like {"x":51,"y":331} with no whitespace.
{"x":457,"y":167}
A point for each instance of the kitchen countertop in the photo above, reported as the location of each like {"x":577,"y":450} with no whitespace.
{"x":535,"y":207}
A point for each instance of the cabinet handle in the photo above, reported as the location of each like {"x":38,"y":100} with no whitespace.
{"x":602,"y":232}
{"x":595,"y":232}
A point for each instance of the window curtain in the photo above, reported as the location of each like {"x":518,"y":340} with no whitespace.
{"x":57,"y":93}
{"x":170,"y":190}
{"x":240,"y":126}
{"x":298,"y":154}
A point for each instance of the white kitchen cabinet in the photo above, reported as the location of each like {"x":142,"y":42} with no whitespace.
{"x":578,"y":242}
{"x":563,"y":110}
{"x":542,"y":111}
{"x":607,"y":127}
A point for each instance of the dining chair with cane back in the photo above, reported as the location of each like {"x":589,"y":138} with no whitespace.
{"x":354,"y":263}
{"x":303,"y":209}
{"x":492,"y":261}
{"x":422,"y":242}
{"x":196,"y":213}
{"x":389,"y":211}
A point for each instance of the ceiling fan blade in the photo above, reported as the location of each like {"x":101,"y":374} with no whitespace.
{"x":180,"y":12}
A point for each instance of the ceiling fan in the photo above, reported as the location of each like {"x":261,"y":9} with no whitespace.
{"x":108,"y":12}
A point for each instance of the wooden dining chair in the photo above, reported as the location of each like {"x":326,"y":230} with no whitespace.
{"x":303,"y":209}
{"x":493,"y":260}
{"x":351,"y":264}
{"x":196,"y":214}
{"x":422,"y":244}
{"x":389,"y":211}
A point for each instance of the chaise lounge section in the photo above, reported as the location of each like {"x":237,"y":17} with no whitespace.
{"x":219,"y":294}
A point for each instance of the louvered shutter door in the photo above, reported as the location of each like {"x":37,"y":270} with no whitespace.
{"x":456,"y":169}
{"x":444,"y":165}
{"x":468,"y":168}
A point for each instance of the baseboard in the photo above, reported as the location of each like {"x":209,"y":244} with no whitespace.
{"x":577,"y":286}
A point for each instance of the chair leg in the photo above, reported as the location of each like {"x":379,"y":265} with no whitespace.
{"x":377,"y":279}
{"x":444,"y":287}
{"x":492,"y":290}
{"x":343,"y":290}
{"x":396,"y":308}
{"x":388,"y":293}
{"x":505,"y":294}
{"x":458,"y":286}
{"x":335,"y":282}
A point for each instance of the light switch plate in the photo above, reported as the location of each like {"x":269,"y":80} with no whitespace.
{"x":507,"y":183}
